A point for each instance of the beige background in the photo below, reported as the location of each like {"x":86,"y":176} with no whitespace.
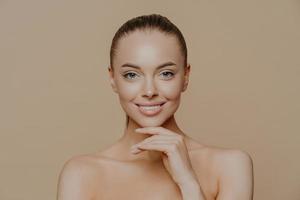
{"x":56,"y":100}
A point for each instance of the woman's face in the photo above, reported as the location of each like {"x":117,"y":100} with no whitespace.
{"x":149,"y":69}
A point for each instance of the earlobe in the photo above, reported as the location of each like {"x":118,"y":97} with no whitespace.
{"x":113,"y":85}
{"x":186,"y":77}
{"x":187,"y":70}
{"x":185,"y":86}
{"x":111,"y":79}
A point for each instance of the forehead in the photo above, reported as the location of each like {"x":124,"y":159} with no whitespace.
{"x":148,"y":48}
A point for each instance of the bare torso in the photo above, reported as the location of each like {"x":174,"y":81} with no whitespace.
{"x":113,"y":178}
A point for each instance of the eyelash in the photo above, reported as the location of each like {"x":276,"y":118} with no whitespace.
{"x":125,"y":75}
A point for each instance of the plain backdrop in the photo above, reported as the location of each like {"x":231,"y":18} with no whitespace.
{"x":56,"y":101}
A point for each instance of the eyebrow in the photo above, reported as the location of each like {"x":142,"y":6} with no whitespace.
{"x":159,"y":67}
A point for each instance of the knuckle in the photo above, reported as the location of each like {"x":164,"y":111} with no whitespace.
{"x":177,"y":142}
{"x":180,"y":139}
{"x":173,"y":148}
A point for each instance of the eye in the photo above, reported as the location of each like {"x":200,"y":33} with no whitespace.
{"x":129,"y":75}
{"x":167,"y":74}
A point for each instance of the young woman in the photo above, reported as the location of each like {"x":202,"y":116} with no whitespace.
{"x":154,"y":159}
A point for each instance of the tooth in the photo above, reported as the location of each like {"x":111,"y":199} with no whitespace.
{"x":150,"y":107}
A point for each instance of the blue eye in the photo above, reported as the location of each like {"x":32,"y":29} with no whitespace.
{"x":168,"y":74}
{"x":131,"y":75}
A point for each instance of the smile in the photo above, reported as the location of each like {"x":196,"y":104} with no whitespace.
{"x":150,"y":110}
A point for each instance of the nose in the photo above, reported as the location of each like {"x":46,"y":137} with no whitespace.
{"x":149,"y":89}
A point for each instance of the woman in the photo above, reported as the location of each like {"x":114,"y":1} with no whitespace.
{"x":154,"y":159}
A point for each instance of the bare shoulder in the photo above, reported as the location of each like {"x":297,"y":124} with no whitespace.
{"x":233,"y":170}
{"x":230,"y":162}
{"x":225,"y":161}
{"x":227,"y":171}
{"x":77,"y":177}
{"x":232,"y":157}
{"x":220,"y":156}
{"x":79,"y":164}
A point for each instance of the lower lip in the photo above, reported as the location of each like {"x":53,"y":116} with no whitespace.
{"x":150,"y":111}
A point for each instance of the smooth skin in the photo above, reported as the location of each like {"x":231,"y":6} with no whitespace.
{"x":158,"y":161}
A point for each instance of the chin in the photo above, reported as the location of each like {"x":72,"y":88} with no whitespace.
{"x":150,"y":122}
{"x":154,"y":121}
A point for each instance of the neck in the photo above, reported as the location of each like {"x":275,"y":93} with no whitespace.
{"x":131,"y":137}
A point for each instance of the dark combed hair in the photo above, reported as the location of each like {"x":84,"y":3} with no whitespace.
{"x":148,"y":22}
{"x":143,"y":22}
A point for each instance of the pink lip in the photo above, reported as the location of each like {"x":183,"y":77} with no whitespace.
{"x":150,"y":104}
{"x":150,"y":112}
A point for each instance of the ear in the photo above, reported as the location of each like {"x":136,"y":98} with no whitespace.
{"x":111,"y":79}
{"x":187,"y":70}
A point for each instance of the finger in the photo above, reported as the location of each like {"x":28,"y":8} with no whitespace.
{"x":155,"y":131}
{"x":164,"y":146}
{"x":158,"y":137}
{"x":155,"y":138}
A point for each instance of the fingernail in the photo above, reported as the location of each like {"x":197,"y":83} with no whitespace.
{"x":137,"y":130}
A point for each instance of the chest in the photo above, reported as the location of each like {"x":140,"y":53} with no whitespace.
{"x":138,"y":192}
{"x":136,"y":185}
{"x":157,"y":191}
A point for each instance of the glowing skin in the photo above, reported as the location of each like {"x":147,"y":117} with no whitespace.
{"x":148,"y":50}
{"x":221,"y":173}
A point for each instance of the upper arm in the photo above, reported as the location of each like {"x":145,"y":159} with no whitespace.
{"x":73,"y":181}
{"x":235,"y":176}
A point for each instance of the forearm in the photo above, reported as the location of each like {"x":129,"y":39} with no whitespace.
{"x":191,"y":191}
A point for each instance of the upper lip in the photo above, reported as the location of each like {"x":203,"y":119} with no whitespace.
{"x":150,"y":103}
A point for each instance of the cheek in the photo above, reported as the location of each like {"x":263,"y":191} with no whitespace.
{"x":171,"y":91}
{"x":127,"y":91}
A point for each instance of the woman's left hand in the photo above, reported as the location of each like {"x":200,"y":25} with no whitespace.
{"x":175,"y":154}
